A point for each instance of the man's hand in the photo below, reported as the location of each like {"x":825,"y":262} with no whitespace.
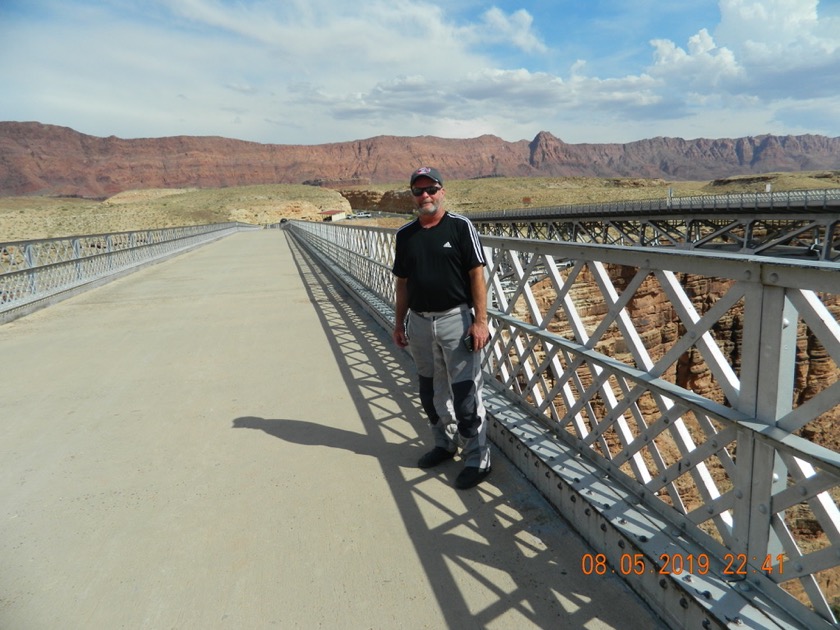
{"x":400,"y":338}
{"x":479,"y":330}
{"x":480,"y":334}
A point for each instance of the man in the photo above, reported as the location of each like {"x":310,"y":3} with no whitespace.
{"x":441,"y":315}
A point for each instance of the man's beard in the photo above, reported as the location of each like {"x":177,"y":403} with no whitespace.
{"x":425,"y":209}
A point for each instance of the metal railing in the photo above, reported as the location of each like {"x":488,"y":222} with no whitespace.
{"x":795,"y":224}
{"x":779,"y":201}
{"x":807,"y":236}
{"x":690,"y":399}
{"x":35,"y":273}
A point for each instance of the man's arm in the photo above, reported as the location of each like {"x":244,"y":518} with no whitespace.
{"x":401,"y":299}
{"x":478,"y":289}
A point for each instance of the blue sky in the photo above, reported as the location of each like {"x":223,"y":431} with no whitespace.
{"x":319,"y":71}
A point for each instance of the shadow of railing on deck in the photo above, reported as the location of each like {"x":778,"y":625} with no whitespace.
{"x":504,"y":556}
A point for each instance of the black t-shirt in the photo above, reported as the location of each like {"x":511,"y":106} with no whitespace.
{"x":437,"y":261}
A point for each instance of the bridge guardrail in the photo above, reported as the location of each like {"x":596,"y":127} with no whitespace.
{"x":781,"y":201}
{"x":689,"y":439}
{"x":795,"y":224}
{"x":37,"y":272}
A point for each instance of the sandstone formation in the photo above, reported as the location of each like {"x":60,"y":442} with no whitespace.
{"x":397,"y":201}
{"x":50,"y":160}
{"x":362,"y":199}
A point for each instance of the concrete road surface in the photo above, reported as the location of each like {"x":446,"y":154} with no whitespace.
{"x":225,"y":440}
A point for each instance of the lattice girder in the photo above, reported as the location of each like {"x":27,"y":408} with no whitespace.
{"x":676,"y":372}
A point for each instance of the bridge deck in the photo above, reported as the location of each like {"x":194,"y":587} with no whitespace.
{"x":224,"y":440}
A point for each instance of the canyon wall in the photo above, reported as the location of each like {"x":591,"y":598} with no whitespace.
{"x":39,"y":159}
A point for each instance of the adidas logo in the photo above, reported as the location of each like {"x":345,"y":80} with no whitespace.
{"x":447,"y":245}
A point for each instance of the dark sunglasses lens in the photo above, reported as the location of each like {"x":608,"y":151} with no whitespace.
{"x":429,"y":190}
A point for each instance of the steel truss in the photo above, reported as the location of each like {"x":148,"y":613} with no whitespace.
{"x":797,"y":224}
{"x":810,"y":237}
{"x":698,"y":405}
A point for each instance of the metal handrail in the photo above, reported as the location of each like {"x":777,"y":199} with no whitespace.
{"x":796,"y":224}
{"x":780,"y":201}
{"x":36,"y":272}
{"x":723,"y":461}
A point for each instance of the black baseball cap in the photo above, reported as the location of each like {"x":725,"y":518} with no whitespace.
{"x":426,"y":171}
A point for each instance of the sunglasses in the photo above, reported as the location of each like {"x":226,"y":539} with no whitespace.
{"x":429,"y":190}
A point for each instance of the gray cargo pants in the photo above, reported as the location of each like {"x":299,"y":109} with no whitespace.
{"x":450,"y":382}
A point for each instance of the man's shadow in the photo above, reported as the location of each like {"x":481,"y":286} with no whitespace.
{"x":314,"y":434}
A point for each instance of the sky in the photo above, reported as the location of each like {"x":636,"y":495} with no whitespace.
{"x":321,"y":71}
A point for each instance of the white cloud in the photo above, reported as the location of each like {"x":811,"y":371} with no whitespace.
{"x":759,"y":40}
{"x":515,"y":29}
{"x":311,"y":71}
{"x":703,"y":66}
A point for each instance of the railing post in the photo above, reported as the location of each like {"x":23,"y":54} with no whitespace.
{"x":29,"y":263}
{"x":767,"y":380}
{"x":77,"y":257}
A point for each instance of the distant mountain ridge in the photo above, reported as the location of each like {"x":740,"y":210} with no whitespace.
{"x":42,"y":159}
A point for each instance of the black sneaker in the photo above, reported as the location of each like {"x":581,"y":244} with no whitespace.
{"x":470,"y":476}
{"x":434,"y":457}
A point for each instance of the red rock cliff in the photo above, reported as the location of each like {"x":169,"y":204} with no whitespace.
{"x":46,"y":159}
